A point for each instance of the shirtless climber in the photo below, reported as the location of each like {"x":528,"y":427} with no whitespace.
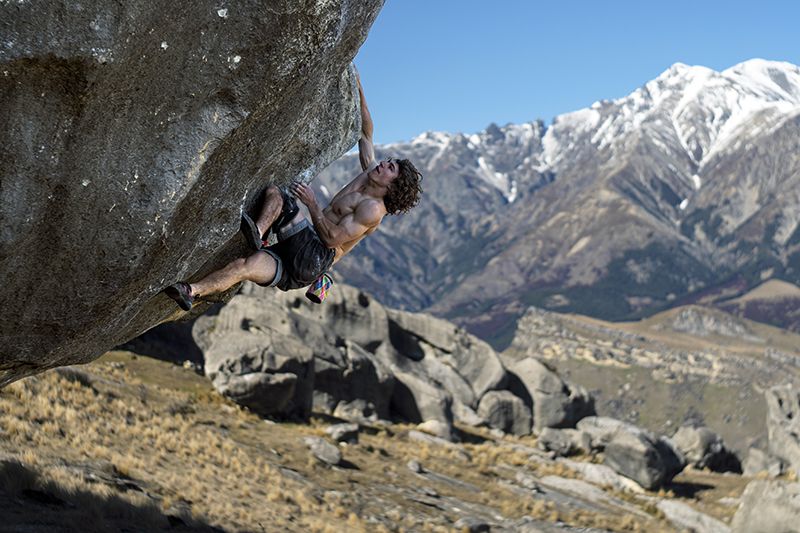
{"x":304,"y":250}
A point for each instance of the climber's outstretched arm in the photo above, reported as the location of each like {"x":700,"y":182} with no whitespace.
{"x":366,"y":152}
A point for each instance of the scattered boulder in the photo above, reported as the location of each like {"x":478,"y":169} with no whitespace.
{"x":529,"y":482}
{"x":427,"y":438}
{"x":345,"y":373}
{"x":564,"y":442}
{"x":324,"y":450}
{"x":685,"y":518}
{"x":555,"y":403}
{"x":588,"y":493}
{"x":255,"y":366}
{"x":359,"y":411}
{"x":416,"y":399}
{"x":265,"y":393}
{"x":446,"y":377}
{"x":601,"y":429}
{"x":347,"y":432}
{"x":439,"y":429}
{"x":758,"y":461}
{"x":415,"y":466}
{"x":466,"y":415}
{"x":602,"y":475}
{"x":783,"y":424}
{"x":504,"y":411}
{"x":768,"y":507}
{"x":476,"y":362}
{"x":650,"y":461}
{"x":703,"y":448}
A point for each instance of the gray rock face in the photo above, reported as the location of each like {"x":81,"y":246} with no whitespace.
{"x":648,"y":460}
{"x":422,"y":365}
{"x":134,"y":135}
{"x":602,"y":475}
{"x":348,"y":373}
{"x":758,"y":461}
{"x":768,"y":507}
{"x":601,"y":429}
{"x":504,"y":411}
{"x":466,"y":415}
{"x":783,"y":424}
{"x":364,"y":368}
{"x":324,"y":450}
{"x":556,"y":403}
{"x":255,"y":366}
{"x":703,"y":323}
{"x":268,"y":394}
{"x":564,"y":442}
{"x":703,"y":448}
{"x":685,"y":518}
{"x":416,"y":399}
{"x":475,"y":360}
{"x":343,"y":433}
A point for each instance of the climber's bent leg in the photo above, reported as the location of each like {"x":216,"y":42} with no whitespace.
{"x":270,"y":209}
{"x":262,"y":268}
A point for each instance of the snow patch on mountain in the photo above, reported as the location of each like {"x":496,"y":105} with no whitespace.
{"x":707,"y":110}
{"x":564,"y":133}
{"x":687,"y":111}
{"x":500,"y":180}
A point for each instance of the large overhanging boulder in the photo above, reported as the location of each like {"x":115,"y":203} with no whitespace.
{"x":134,"y":133}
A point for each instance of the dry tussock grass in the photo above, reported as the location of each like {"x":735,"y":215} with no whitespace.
{"x":180,"y":457}
{"x":198,"y":455}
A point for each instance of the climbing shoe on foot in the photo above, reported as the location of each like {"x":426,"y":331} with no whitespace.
{"x":250,"y":231}
{"x":181,"y":292}
{"x":288,"y":211}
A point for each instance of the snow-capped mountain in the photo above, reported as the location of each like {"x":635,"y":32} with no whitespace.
{"x":686,"y":186}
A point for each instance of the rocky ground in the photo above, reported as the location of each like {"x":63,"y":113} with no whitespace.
{"x":130,"y":443}
{"x":687,"y":365}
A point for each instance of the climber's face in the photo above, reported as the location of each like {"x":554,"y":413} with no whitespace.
{"x":386,"y":171}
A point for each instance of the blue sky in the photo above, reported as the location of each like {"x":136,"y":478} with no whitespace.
{"x":451,"y":65}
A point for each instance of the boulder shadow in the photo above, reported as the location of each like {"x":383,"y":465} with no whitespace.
{"x":30,"y":503}
{"x":468,"y":437}
{"x":348,"y":465}
{"x":685,"y":489}
{"x":171,"y":342}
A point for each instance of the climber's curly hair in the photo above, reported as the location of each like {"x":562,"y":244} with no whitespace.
{"x":405,"y":189}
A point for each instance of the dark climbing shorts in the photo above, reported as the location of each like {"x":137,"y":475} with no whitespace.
{"x":301,"y":257}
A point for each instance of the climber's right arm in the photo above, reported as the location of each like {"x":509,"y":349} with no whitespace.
{"x":366,"y":151}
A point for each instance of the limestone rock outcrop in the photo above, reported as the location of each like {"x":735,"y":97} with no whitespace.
{"x":504,"y":411}
{"x":783,"y":424}
{"x":555,"y":402}
{"x":649,"y":460}
{"x":256,"y":366}
{"x":365,"y":365}
{"x":703,"y":448}
{"x":758,"y":462}
{"x":768,"y":507}
{"x":134,"y":134}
